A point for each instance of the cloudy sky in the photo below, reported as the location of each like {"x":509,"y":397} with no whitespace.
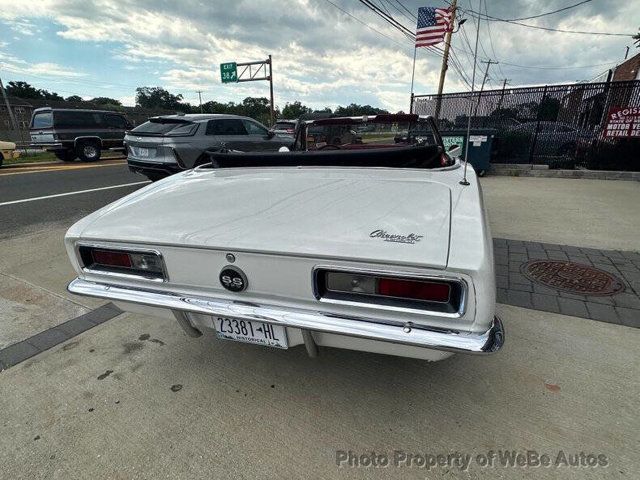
{"x":325,"y":52}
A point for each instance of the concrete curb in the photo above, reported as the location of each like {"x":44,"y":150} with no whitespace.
{"x":528,"y":170}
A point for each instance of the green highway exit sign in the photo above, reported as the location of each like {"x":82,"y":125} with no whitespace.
{"x":229,"y":72}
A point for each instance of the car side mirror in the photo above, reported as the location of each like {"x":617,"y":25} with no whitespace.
{"x":271,"y":134}
{"x":454,"y":151}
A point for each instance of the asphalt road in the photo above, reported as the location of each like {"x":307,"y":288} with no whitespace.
{"x":36,"y":195}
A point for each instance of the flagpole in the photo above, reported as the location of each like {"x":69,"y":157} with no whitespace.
{"x":413,"y":74}
{"x":464,"y":180}
{"x":445,"y":59}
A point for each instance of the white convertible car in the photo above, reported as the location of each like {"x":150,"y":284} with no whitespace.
{"x":349,"y":241}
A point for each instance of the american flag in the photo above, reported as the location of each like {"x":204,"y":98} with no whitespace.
{"x":433,"y":23}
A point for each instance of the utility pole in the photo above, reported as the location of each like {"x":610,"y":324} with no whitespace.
{"x":504,"y":85}
{"x":445,"y":59}
{"x":199,"y":92}
{"x":14,"y":124}
{"x":484,"y":79}
{"x":486,"y":72}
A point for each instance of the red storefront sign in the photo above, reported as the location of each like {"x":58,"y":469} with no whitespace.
{"x":623,"y":122}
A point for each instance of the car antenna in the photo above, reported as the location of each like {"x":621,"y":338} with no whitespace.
{"x":464,"y":180}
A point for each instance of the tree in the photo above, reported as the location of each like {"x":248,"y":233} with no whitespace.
{"x":50,"y":95}
{"x":25,"y":90}
{"x":295,"y":110}
{"x":106,"y":101}
{"x":257,"y":108}
{"x":355,"y":110}
{"x":22,"y":90}
{"x":74,"y":98}
{"x":636,"y":39}
{"x":158,"y":97}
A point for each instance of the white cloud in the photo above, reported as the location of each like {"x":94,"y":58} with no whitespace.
{"x":321,"y":56}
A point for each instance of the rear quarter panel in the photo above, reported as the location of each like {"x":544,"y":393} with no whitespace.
{"x":471,"y":248}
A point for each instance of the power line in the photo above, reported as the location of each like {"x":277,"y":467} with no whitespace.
{"x":398,"y":9}
{"x":541,"y":14}
{"x":397,"y":25}
{"x":366,"y":24}
{"x":493,"y":50}
{"x":474,"y":14}
{"x":384,"y":7}
{"x":413,"y":15}
{"x":549,"y":67}
{"x":388,"y":18}
{"x":400,"y":27}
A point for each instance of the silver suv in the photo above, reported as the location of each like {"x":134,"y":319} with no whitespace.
{"x":168,"y":144}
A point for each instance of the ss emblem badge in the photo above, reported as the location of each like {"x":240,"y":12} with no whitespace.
{"x":233,"y":279}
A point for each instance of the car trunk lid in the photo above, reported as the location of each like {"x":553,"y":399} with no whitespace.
{"x":375,"y":215}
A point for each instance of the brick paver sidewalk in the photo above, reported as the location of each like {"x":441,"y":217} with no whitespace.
{"x":514,"y":288}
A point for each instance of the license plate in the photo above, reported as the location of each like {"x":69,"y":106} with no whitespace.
{"x":143,"y":152}
{"x":249,"y":331}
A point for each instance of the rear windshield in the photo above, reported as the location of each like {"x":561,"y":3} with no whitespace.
{"x":284,"y":126}
{"x":345,"y":136}
{"x":165,"y":126}
{"x":42,"y":120}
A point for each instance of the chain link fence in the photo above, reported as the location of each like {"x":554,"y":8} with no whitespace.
{"x":23,"y":109}
{"x":562,"y":126}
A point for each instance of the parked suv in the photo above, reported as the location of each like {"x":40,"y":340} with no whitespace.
{"x":71,"y":133}
{"x":285,"y":128}
{"x":172,"y":143}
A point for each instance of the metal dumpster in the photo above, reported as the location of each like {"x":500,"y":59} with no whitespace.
{"x":480,"y":141}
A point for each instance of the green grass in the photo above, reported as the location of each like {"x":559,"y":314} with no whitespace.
{"x":31,"y":158}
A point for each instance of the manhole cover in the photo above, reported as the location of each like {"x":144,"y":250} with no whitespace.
{"x":572,"y":277}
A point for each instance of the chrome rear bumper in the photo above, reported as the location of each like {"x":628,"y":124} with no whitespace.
{"x":306,"y":320}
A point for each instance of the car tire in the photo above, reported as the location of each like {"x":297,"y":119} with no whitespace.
{"x":65,"y":155}
{"x":88,"y":151}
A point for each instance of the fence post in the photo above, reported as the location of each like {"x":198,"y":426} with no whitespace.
{"x":532,"y":148}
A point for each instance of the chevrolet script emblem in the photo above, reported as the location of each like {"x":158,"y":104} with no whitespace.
{"x":411,"y":238}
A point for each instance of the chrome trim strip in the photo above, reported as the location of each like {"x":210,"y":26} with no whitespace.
{"x":392,"y":273}
{"x":129,"y":276}
{"x":324,"y":322}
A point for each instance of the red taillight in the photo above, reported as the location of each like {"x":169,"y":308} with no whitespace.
{"x":111,"y":258}
{"x":430,"y":291}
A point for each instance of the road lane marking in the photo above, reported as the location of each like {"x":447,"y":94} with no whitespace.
{"x":54,"y":168}
{"x":33,"y":199}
